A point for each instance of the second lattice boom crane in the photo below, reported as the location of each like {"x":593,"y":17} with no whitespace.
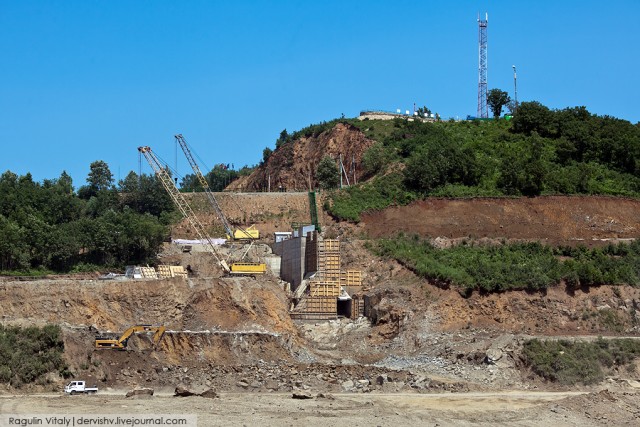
{"x":240,"y":233}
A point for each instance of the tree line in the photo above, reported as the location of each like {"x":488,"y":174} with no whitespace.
{"x":50,"y":227}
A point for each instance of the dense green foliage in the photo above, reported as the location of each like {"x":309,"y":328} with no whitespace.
{"x":377,"y":194}
{"x":515,"y":266}
{"x":48,"y":227}
{"x":327,"y":173}
{"x":217,"y":178}
{"x":572,"y":363}
{"x":496,"y":99}
{"x":540,"y":151}
{"x":28,"y":354}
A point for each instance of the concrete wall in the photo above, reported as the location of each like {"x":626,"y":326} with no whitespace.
{"x":311,"y":255}
{"x":293,"y":260}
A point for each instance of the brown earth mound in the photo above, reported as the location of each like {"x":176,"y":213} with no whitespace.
{"x":557,"y":220}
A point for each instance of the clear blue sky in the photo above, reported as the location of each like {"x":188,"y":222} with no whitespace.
{"x":92,"y":80}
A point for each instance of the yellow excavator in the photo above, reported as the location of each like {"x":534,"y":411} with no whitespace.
{"x":121,"y":343}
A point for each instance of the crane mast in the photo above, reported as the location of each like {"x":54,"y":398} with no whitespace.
{"x":205,"y":185}
{"x":179,"y":200}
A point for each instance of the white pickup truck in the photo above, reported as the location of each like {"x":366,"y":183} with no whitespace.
{"x":77,"y":387}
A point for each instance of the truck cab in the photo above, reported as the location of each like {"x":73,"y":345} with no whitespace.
{"x":76,"y":387}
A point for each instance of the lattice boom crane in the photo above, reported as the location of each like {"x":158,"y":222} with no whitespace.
{"x":205,"y":184}
{"x":179,"y":200}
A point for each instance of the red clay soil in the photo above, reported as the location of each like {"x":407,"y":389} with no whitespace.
{"x":556,"y":220}
{"x":292,"y":167}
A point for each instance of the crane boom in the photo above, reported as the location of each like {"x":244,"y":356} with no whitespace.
{"x":205,"y":185}
{"x":179,"y":200}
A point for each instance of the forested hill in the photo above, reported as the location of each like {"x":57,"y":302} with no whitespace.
{"x":539,"y":151}
{"x":50,"y":227}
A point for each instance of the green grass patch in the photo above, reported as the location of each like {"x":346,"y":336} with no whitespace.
{"x":570,"y":363}
{"x":28,"y":354}
{"x":32,"y":272}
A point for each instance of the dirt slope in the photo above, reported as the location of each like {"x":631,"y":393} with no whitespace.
{"x":292,"y":166}
{"x":552,"y":219}
{"x":231,"y":304}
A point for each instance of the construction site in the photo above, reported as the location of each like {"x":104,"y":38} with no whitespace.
{"x":284,"y":300}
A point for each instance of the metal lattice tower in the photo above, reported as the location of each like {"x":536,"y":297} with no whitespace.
{"x":482,"y":67}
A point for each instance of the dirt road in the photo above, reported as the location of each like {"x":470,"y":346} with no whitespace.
{"x":279,"y":409}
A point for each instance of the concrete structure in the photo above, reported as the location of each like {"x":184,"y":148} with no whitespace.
{"x":383,"y":115}
{"x":292,"y":263}
{"x":304,"y":230}
{"x":282,"y":235}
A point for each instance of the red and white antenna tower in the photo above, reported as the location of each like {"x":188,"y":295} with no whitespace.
{"x":483,"y":112}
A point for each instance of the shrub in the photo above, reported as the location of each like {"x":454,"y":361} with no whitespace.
{"x":570,"y":363}
{"x":28,"y":354}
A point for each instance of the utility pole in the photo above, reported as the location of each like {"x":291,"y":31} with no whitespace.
{"x":340,"y":166}
{"x":515,"y":88}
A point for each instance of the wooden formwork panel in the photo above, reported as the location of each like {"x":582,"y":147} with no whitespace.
{"x":329,"y":262}
{"x":351,"y":278}
{"x":322,"y":304}
{"x":148,"y":272}
{"x":357,"y":307}
{"x":317,"y":304}
{"x":313,"y":316}
{"x":329,"y":245}
{"x":178,"y":271}
{"x":326,"y":289}
{"x":167,"y":271}
{"x":331,"y":275}
{"x":164,"y":271}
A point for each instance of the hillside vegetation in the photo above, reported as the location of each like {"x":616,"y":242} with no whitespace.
{"x":50,"y":227}
{"x":586,"y":363}
{"x":540,"y":151}
{"x":28,"y":354}
{"x":530,"y":266}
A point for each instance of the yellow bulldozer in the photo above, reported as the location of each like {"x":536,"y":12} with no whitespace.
{"x":121,"y":343}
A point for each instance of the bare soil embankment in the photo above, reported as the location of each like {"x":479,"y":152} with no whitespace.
{"x":556,"y":220}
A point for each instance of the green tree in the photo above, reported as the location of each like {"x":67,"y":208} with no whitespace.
{"x":376,"y":158}
{"x":327,"y":173}
{"x":423,"y":112}
{"x":266,"y":153}
{"x":523,"y":171}
{"x":144,"y":194}
{"x":99,"y":179}
{"x":534,"y":117}
{"x":190,"y":183}
{"x":220,"y":177}
{"x":496,"y":99}
{"x":435,"y":163}
{"x":283,"y":138}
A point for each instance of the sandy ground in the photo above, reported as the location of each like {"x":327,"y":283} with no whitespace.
{"x":494,"y":408}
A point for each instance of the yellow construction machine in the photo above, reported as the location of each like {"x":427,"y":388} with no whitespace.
{"x":121,"y":343}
